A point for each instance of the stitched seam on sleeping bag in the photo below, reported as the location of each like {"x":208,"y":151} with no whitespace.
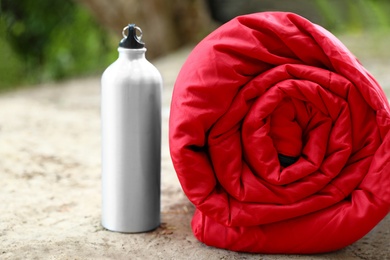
{"x":339,"y":190}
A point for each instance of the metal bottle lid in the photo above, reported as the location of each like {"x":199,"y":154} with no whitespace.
{"x":132,"y":40}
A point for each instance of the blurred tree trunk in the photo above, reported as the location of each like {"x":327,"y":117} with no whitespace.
{"x":166,"y":25}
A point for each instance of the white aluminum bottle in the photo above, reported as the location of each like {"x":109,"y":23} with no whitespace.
{"x":131,"y":139}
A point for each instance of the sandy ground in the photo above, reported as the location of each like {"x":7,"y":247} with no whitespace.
{"x":50,"y":181}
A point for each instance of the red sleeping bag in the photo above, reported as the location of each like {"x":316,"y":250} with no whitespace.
{"x":280,"y":138}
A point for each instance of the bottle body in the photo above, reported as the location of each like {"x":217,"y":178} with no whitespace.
{"x":131,"y":143}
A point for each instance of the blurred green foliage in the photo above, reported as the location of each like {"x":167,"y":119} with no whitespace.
{"x":355,"y":15}
{"x":43,"y":40}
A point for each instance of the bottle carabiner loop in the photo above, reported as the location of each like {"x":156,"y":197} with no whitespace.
{"x":136,"y":28}
{"x":132,"y":39}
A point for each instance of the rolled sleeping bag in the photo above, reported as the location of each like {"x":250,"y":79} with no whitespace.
{"x":280,"y":138}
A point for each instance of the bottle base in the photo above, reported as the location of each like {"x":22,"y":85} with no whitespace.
{"x":130,"y":231}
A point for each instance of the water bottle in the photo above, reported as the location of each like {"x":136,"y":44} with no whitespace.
{"x":131,"y":139}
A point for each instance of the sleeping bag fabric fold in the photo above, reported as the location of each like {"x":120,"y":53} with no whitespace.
{"x":280,"y":138}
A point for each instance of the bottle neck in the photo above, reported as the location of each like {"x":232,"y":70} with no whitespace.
{"x":131,"y":53}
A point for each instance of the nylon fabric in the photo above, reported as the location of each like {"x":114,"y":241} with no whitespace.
{"x":274,"y":85}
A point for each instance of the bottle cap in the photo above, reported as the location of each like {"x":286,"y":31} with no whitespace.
{"x":132,"y":40}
